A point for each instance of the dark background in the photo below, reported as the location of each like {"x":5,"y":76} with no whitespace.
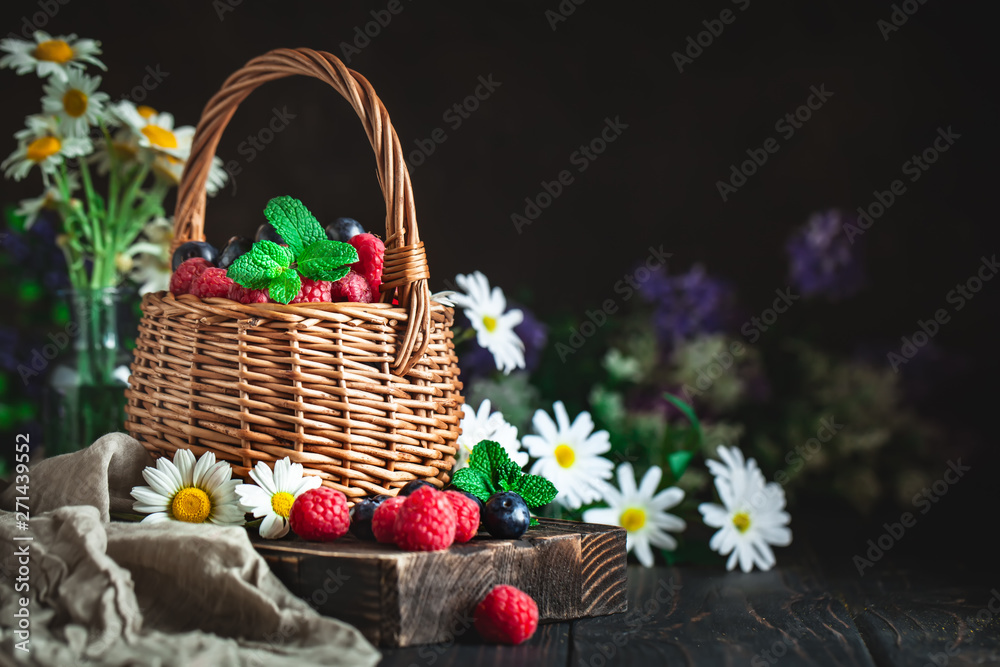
{"x":654,"y":185}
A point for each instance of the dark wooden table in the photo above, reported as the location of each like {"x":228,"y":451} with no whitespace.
{"x":794,"y":615}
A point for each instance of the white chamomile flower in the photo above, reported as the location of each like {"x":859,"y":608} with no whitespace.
{"x":75,"y":101}
{"x":751,"y":517}
{"x":47,"y":55}
{"x":41,"y":145}
{"x":482,"y":425}
{"x":494,"y":324}
{"x":188,"y":490}
{"x":155,"y":131}
{"x":569,"y":455}
{"x":48,"y":200}
{"x":123,"y":149}
{"x":274,"y":493}
{"x":640,"y":512}
{"x":148,"y":262}
{"x":170,"y":168}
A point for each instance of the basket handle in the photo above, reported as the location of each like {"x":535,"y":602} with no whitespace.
{"x":405,"y":273}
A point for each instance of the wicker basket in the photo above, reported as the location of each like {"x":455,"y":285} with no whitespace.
{"x":365,"y":396}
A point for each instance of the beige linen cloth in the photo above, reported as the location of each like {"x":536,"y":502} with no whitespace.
{"x":159,"y":594}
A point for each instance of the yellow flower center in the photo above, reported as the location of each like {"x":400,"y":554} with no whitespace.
{"x":632,"y":519}
{"x":160,"y":137}
{"x":742,"y":521}
{"x":75,"y":102}
{"x":43,"y":148}
{"x":146,"y":112}
{"x":54,"y":51}
{"x":281,"y":503}
{"x":490,"y":323}
{"x":191,"y":504}
{"x":565,"y":456}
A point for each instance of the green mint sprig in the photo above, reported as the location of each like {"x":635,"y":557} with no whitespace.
{"x":309,"y":253}
{"x":490,"y":471}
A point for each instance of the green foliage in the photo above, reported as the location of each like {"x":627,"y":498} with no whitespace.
{"x":491,"y":471}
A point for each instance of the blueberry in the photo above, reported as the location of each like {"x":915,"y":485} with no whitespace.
{"x":361,"y":517}
{"x":482,"y":505}
{"x":237,"y":247}
{"x":413,"y":486}
{"x":344,"y":229}
{"x":194,"y":249}
{"x":267,"y":232}
{"x":506,"y":515}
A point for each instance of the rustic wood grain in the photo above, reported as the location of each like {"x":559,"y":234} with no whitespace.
{"x":548,"y":647}
{"x":399,"y":598}
{"x":705,"y":616}
{"x":911,"y":617}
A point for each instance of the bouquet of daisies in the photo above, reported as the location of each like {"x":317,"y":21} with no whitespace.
{"x":107,"y":234}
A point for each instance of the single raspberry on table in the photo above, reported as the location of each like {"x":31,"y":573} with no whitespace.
{"x":371,"y":257}
{"x":352,"y":287}
{"x":211,"y":282}
{"x":320,"y":514}
{"x":180,"y":282}
{"x":426,"y":521}
{"x":243,"y":294}
{"x":466,"y":515}
{"x":507,"y":615}
{"x":384,"y":520}
{"x":313,"y":291}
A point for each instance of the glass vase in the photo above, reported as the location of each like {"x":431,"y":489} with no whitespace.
{"x":85,"y":388}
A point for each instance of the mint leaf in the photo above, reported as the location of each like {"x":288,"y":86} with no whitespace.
{"x":327,"y":260}
{"x":284,"y":288}
{"x":257,"y":268}
{"x":293,"y":221}
{"x":536,"y":490}
{"x":533,"y":522}
{"x":472,"y":481}
{"x":493,"y":461}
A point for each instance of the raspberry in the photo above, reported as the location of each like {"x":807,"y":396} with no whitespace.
{"x":211,"y":282}
{"x":313,"y":291}
{"x":371,"y":256}
{"x":180,"y":282}
{"x":352,"y":287}
{"x":320,"y":514}
{"x":466,"y":514}
{"x":425,"y":522}
{"x":243,"y":294}
{"x":506,"y":615}
{"x":384,"y":520}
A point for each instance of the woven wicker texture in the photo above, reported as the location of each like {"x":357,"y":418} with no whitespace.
{"x":366,"y":396}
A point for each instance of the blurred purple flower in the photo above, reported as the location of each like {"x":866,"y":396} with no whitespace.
{"x":477,"y":361}
{"x":687,"y":304}
{"x":822,"y":259}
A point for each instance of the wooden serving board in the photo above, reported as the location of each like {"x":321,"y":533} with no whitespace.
{"x":401,"y":598}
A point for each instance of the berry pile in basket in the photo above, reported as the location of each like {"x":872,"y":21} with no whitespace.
{"x":292,"y":260}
